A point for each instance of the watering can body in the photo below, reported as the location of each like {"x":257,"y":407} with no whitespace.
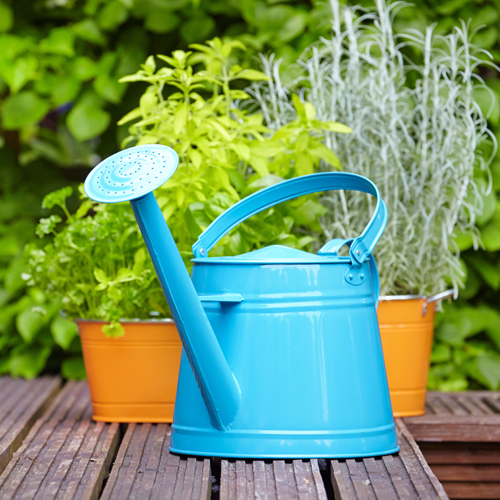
{"x":282,"y":353}
{"x":307,"y":357}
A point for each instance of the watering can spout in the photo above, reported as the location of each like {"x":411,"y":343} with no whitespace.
{"x":119,"y":179}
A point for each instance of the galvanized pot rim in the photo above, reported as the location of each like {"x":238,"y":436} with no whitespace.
{"x":402,"y":297}
{"x":427,"y":300}
{"x":437,"y":296}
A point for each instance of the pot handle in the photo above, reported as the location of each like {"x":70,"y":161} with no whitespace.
{"x":434,"y":298}
{"x":361,"y":247}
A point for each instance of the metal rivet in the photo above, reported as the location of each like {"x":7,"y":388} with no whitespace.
{"x":351,"y":276}
{"x":202,"y":251}
{"x":358,"y":252}
{"x":362,"y":276}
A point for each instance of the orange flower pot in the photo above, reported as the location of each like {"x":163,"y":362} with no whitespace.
{"x":407,"y":343}
{"x":132,"y":378}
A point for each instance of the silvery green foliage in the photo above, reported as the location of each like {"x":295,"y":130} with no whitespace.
{"x":419,"y":145}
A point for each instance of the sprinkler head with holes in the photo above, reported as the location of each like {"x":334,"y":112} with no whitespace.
{"x":131,"y":174}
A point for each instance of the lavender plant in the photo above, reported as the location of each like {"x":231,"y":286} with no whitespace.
{"x":421,"y":143}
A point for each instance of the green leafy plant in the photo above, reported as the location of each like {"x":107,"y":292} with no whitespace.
{"x":60,"y":60}
{"x":224,"y":152}
{"x":418,"y":133}
{"x":33,"y":337}
{"x":95,"y":264}
{"x":466,"y":351}
{"x":59,"y":103}
{"x":482,"y":271}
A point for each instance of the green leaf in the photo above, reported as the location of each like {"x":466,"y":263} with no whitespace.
{"x":197,"y":28}
{"x":108,"y":87}
{"x":112,"y":15}
{"x":29,"y":323}
{"x":251,"y":74}
{"x":464,"y":241}
{"x":487,"y":270}
{"x":490,"y":106}
{"x":493,"y":333}
{"x":139,"y":259}
{"x":60,"y":41}
{"x":63,"y":331}
{"x":440,"y":353}
{"x":170,"y":4}
{"x":100,"y":275}
{"x":161,"y":20}
{"x":486,"y":38}
{"x":57,"y":197}
{"x":299,"y":106}
{"x":132,"y":115}
{"x":9,"y":246}
{"x":6,"y":18}
{"x":326,"y":154}
{"x":83,"y":209}
{"x":67,"y":89}
{"x":465,"y":322}
{"x":449,"y":6}
{"x":74,"y":369}
{"x":30,"y":363}
{"x":489,"y":203}
{"x":180,"y":118}
{"x":335,"y":127}
{"x":486,"y":370}
{"x":259,"y":165}
{"x":47,"y":225}
{"x":23,"y":70}
{"x":114,"y":329}
{"x":89,"y":31}
{"x":195,"y":219}
{"x":484,"y":15}
{"x":87,"y":119}
{"x":13,"y":278}
{"x":83,"y":68}
{"x":23,"y":109}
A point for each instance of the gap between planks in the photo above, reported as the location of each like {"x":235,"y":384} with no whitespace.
{"x":22,"y":403}
{"x":144,"y":469}
{"x":66,"y":455}
{"x":404,"y":475}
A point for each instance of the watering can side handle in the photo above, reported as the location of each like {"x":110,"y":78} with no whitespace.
{"x":362,"y":246}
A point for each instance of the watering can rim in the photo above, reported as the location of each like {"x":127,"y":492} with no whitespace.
{"x":282,"y":255}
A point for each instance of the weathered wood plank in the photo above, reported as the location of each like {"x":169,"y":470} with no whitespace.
{"x":22,"y":402}
{"x":470,"y":472}
{"x":462,"y":441}
{"x":271,"y":480}
{"x":458,"y":417}
{"x":472,"y":490}
{"x":404,"y":475}
{"x":65,"y":455}
{"x":461,"y":453}
{"x":144,"y":469}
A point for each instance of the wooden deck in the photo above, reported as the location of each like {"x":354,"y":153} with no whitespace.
{"x":460,"y":438}
{"x":50,"y":448}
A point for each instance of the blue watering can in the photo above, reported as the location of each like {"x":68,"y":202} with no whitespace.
{"x":282,"y":355}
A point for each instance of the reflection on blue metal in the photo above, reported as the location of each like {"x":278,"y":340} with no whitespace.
{"x":282,"y":354}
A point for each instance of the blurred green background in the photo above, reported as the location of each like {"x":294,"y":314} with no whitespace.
{"x":60,"y":100}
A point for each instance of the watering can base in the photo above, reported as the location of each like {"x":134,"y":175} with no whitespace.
{"x":284,"y":445}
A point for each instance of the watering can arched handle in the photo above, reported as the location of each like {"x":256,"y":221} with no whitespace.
{"x":361,"y":247}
